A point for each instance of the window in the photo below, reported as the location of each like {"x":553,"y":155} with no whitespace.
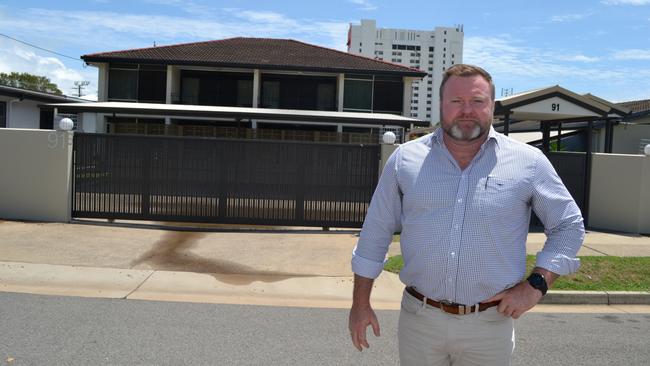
{"x":428,"y":102}
{"x":3,"y":114}
{"x":415,"y":88}
{"x":431,"y":50}
{"x":325,"y":97}
{"x":123,"y":84}
{"x":133,"y":82}
{"x":244,"y":93}
{"x":429,"y":82}
{"x":152,"y":83}
{"x":428,"y":108}
{"x":190,"y":90}
{"x":416,"y":95}
{"x":231,"y":89}
{"x":429,"y":95}
{"x":358,"y":95}
{"x":428,"y":116}
{"x":271,"y":94}
{"x":428,"y":89}
{"x":298,"y":92}
{"x":388,"y":94}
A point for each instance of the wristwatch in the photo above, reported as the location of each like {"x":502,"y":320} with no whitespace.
{"x":538,"y":281}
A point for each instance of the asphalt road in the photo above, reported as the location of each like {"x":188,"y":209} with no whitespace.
{"x":39,"y":330}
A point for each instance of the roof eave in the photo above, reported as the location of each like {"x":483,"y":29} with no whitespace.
{"x":412,"y":73}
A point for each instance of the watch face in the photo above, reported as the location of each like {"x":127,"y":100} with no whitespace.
{"x":536,"y":280}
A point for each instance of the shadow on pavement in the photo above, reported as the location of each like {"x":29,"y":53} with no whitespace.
{"x":171,"y":253}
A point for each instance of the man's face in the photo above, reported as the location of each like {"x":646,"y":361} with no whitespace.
{"x":466,"y":108}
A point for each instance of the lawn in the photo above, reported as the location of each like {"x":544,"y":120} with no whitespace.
{"x":604,"y":273}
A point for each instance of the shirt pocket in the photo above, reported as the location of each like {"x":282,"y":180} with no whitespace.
{"x":500,"y":198}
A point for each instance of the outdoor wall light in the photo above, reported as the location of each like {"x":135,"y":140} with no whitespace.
{"x":646,"y":150}
{"x":66,"y":124}
{"x":389,"y":138}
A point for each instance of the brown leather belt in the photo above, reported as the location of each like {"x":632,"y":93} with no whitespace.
{"x":452,"y":308}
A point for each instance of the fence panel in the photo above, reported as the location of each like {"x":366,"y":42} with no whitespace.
{"x":222,"y":180}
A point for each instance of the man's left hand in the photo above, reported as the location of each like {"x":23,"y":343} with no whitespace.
{"x":517,"y":300}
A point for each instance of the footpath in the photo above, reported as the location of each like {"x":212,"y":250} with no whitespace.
{"x":303,"y":267}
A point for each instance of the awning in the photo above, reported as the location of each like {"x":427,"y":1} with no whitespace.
{"x":181,"y":110}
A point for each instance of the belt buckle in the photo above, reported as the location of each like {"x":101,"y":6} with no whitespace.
{"x":461,"y":309}
{"x":445,"y":304}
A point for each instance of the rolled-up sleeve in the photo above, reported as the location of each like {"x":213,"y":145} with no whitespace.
{"x":563,"y":223}
{"x":380,"y":224}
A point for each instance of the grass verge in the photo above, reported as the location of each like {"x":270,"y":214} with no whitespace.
{"x":606,"y":273}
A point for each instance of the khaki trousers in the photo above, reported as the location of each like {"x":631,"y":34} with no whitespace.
{"x":428,"y":336}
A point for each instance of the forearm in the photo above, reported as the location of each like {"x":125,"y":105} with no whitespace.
{"x":362,"y":290}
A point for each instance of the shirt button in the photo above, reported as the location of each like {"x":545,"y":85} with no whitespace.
{"x":453,"y":254}
{"x":460,"y":200}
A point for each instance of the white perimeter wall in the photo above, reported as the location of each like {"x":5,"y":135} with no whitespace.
{"x":627,"y":137}
{"x":36,"y":174}
{"x":620,"y":193}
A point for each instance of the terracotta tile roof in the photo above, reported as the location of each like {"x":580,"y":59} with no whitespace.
{"x":263,"y":53}
{"x":637,"y":105}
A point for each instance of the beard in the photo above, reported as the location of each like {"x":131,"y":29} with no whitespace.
{"x":458,"y":134}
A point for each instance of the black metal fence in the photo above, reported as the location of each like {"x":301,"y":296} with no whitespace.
{"x":571,"y":168}
{"x":222,"y":180}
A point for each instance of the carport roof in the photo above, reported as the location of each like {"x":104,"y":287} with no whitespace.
{"x":527,"y":111}
{"x":181,"y":110}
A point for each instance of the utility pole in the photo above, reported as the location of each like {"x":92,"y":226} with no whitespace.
{"x":79,"y":86}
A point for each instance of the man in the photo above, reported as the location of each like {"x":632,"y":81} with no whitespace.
{"x":462,"y":198}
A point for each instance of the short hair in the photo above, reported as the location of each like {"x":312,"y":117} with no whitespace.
{"x":463,"y":71}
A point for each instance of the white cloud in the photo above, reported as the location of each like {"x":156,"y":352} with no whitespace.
{"x":365,"y":4}
{"x":632,"y":54}
{"x":110,"y":31}
{"x":626,"y":2}
{"x":514,"y":64}
{"x":568,"y":18}
{"x":18,"y":58}
{"x":578,"y":58}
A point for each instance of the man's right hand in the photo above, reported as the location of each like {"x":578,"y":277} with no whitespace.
{"x":360,"y":317}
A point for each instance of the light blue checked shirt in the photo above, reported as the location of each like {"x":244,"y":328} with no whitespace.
{"x":463,"y":232}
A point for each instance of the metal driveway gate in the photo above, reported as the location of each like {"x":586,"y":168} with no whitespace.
{"x":222,"y":180}
{"x":570,"y":166}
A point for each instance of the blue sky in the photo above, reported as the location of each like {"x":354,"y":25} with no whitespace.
{"x":600,"y":47}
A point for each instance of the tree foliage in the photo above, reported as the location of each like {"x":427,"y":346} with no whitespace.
{"x":28,"y":81}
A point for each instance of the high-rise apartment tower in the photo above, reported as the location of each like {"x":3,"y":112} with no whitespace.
{"x":430,"y":51}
